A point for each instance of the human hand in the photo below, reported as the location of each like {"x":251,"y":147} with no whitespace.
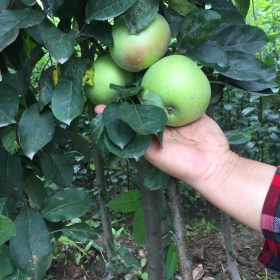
{"x":192,"y":153}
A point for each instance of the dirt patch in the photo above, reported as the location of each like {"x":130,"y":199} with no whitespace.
{"x":206,"y":250}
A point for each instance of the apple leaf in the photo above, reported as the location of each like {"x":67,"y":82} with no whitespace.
{"x":98,"y":130}
{"x":241,"y":37}
{"x":67,"y":204}
{"x":51,"y":6}
{"x":56,"y":167}
{"x":172,"y":261}
{"x":197,"y":27}
{"x":80,"y":232}
{"x":183,"y":7}
{"x":8,"y":104}
{"x":138,"y":226}
{"x":13,"y":20}
{"x":134,"y":149}
{"x":155,"y":179}
{"x":144,"y":119}
{"x":241,"y":136}
{"x":35,"y":129}
{"x":140,"y":15}
{"x":125,"y":202}
{"x":210,"y":54}
{"x":7,"y":206}
{"x":60,"y":45}
{"x":106,"y":9}
{"x":119,"y":132}
{"x":9,"y":139}
{"x":28,"y":2}
{"x":246,"y":67}
{"x":149,"y":97}
{"x":230,"y":16}
{"x":6,"y":265}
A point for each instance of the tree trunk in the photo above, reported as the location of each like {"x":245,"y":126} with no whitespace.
{"x":229,"y":247}
{"x":180,"y":230}
{"x":150,"y":201}
{"x":101,"y":185}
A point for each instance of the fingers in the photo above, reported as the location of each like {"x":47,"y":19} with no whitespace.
{"x":99,"y":109}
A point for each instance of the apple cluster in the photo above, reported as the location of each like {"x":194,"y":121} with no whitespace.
{"x":182,"y":85}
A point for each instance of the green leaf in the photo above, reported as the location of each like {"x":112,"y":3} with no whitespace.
{"x":140,"y":15}
{"x":106,"y":9}
{"x":6,"y":264}
{"x":31,"y":246}
{"x":138,"y":226}
{"x":28,"y":2}
{"x":230,"y":16}
{"x":241,"y":37}
{"x":45,"y":90}
{"x":13,"y":20}
{"x":67,"y":100}
{"x":172,"y":261}
{"x":51,"y":6}
{"x":183,"y":7}
{"x":60,"y":45}
{"x":210,"y":54}
{"x":11,"y":183}
{"x":66,"y":205}
{"x":8,"y":104}
{"x":18,"y":275}
{"x":149,"y":97}
{"x":18,"y":81}
{"x":246,"y":67}
{"x":7,"y":229}
{"x":56,"y":167}
{"x":81,"y":144}
{"x":37,"y":194}
{"x":134,"y":149}
{"x":4,"y":4}
{"x":243,"y":6}
{"x":125,"y":202}
{"x":119,"y":132}
{"x":241,"y":136}
{"x":80,"y":232}
{"x":9,"y":139}
{"x":155,"y":179}
{"x":124,"y":91}
{"x":98,"y":131}
{"x":144,"y":119}
{"x":198,"y":26}
{"x":253,"y":86}
{"x":7,"y":205}
{"x":35,"y":129}
{"x":101,"y":31}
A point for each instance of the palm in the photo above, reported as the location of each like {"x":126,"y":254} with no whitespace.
{"x":189,"y":151}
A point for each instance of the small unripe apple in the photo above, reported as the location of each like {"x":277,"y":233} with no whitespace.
{"x":106,"y":72}
{"x":184,"y":89}
{"x":136,"y":52}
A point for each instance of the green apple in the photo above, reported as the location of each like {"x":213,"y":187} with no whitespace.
{"x":183,"y":87}
{"x":106,"y":72}
{"x":136,"y":52}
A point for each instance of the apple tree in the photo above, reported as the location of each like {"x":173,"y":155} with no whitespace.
{"x":47,"y":49}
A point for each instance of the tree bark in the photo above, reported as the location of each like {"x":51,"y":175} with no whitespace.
{"x":229,"y":247}
{"x":180,"y":230}
{"x":152,"y":221}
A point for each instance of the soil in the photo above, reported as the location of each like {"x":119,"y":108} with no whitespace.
{"x":206,"y":251}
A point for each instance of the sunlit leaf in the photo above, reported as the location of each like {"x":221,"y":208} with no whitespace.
{"x":125,"y":202}
{"x":7,"y":229}
{"x":172,"y":261}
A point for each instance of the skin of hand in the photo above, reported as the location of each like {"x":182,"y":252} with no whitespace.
{"x":199,"y":154}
